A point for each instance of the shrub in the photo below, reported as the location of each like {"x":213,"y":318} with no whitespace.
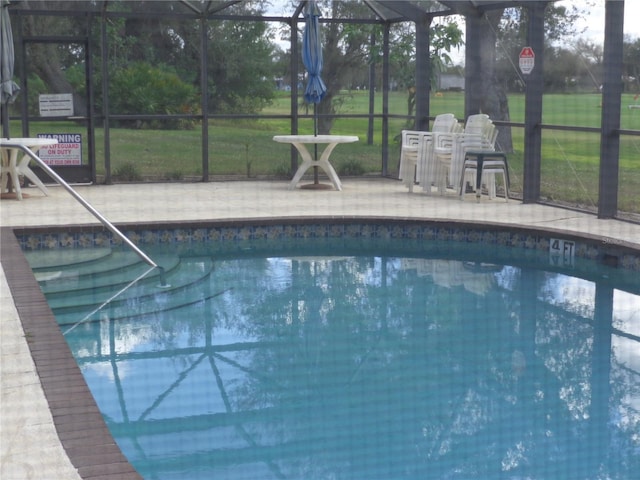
{"x":143,"y":89}
{"x":175,"y":175}
{"x":282,"y":170}
{"x":351,"y":167}
{"x":127,"y":172}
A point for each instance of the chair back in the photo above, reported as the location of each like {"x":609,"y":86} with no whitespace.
{"x":476,"y":124}
{"x":491,"y":135}
{"x":445,"y":122}
{"x":410,"y":138}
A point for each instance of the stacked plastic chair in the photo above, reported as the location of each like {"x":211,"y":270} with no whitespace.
{"x":411,"y":154}
{"x":432,"y":170}
{"x":409,"y":157}
{"x":449,"y":151}
{"x":481,"y":168}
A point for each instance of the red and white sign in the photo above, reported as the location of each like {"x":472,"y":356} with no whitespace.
{"x":527,"y":60}
{"x":68,"y":150}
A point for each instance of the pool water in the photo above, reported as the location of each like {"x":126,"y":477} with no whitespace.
{"x":349,"y":363}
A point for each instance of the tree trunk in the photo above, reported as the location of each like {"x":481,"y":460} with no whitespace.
{"x":340,"y":60}
{"x":490,"y":96}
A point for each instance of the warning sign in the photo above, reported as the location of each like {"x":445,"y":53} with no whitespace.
{"x":68,"y":150}
{"x":527,"y":60}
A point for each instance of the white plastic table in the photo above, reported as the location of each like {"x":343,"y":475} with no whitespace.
{"x":10,"y":150}
{"x":301,"y":142}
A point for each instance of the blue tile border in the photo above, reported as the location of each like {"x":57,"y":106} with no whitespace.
{"x":274,"y":232}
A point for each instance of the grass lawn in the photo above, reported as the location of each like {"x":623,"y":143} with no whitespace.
{"x":570,"y":160}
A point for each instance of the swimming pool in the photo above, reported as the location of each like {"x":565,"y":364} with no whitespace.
{"x":370,"y":355}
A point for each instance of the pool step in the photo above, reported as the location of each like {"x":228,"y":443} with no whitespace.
{"x":113,"y":271}
{"x":43,"y":260}
{"x":87,"y":272}
{"x":146,"y":296}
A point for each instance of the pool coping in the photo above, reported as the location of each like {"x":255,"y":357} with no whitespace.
{"x":79,"y":424}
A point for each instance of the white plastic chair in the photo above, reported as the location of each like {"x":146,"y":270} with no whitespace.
{"x":432,"y":170}
{"x":412,"y":158}
{"x":483,"y":143}
{"x":444,"y":123}
{"x":449,"y":149}
{"x":409,"y":157}
{"x":493,"y":164}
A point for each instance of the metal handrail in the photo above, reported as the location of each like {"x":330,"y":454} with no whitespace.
{"x":108,"y":301}
{"x":81,"y":200}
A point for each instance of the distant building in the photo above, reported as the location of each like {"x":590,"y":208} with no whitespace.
{"x":450,"y":81}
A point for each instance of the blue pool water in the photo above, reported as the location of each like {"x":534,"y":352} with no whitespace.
{"x":352,"y":361}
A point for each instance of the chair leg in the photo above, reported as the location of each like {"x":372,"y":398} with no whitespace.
{"x":461,"y":188}
{"x":505,"y":181}
{"x":501,"y":167}
{"x":461,"y":183}
{"x":498,"y":170}
{"x":507,"y":184}
{"x":479,"y":187}
{"x":407,"y":171}
{"x":469,"y":170}
{"x":444,"y":180}
{"x":490,"y":168}
{"x":491,"y":182}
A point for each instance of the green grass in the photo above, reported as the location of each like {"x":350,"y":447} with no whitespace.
{"x":570,"y":160}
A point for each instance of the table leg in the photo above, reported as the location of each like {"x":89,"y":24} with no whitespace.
{"x":13,"y":172}
{"x":299,"y":173}
{"x":328,"y":168}
{"x":4,"y":171}
{"x":309,"y":162}
{"x":24,"y":169}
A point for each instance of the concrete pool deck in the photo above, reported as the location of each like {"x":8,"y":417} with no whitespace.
{"x":29,"y":443}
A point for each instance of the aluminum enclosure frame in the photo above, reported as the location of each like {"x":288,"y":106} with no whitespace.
{"x":386,"y":13}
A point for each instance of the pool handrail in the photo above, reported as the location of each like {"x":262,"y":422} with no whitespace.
{"x":108,"y":301}
{"x":110,"y":226}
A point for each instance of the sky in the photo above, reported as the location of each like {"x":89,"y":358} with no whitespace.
{"x":594,"y":21}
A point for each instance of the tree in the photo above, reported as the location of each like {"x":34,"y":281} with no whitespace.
{"x":443,"y":38}
{"x":348,"y":50}
{"x":241,"y":68}
{"x":345,"y":48}
{"x":590,"y":59}
{"x":493,"y":93}
{"x":48,"y":61}
{"x":503,"y":32}
{"x":564,"y":71}
{"x":632,"y":64}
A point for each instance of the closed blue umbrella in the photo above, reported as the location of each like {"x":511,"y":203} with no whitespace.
{"x":312,"y":58}
{"x":8,"y":88}
{"x":313,"y":62}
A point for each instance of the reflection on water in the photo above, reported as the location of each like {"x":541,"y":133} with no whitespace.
{"x":365,"y":367}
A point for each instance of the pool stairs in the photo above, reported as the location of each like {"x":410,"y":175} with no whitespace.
{"x":111,"y":227}
{"x":85,"y":285}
